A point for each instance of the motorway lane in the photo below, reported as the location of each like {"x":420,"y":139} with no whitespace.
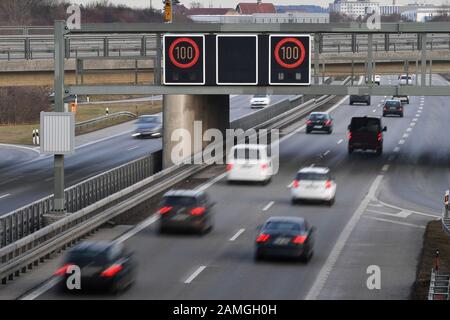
{"x":167,"y":261}
{"x":25,"y":183}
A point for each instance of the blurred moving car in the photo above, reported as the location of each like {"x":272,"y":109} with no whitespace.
{"x":103,"y":265}
{"x":67,"y":99}
{"x":186,"y":210}
{"x":360,"y":99}
{"x":394,"y":107}
{"x":149,"y":126}
{"x":366,"y":133}
{"x":403,"y":99}
{"x":260,"y":100}
{"x":319,"y":121}
{"x":405,"y":79}
{"x":286,"y":237}
{"x":249,"y":162}
{"x":314,"y":183}
{"x":376,"y":79}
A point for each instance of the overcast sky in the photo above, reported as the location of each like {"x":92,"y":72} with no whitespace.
{"x":233,"y":3}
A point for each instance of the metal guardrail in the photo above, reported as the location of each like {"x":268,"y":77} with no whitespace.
{"x":439,"y":286}
{"x":111,"y":116}
{"x":21,"y":255}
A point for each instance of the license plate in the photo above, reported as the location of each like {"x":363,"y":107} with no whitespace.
{"x":317,"y":127}
{"x":247,"y":166}
{"x":282,"y":241}
{"x":179,"y":217}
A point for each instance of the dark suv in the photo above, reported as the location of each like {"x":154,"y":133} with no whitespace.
{"x":320,"y":121}
{"x":360,"y":99}
{"x":393,"y":107}
{"x":186,"y":210}
{"x":366,"y":133}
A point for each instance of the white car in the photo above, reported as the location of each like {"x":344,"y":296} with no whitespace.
{"x":314,"y":183}
{"x":404,"y":80}
{"x":260,"y":101}
{"x":376,"y":79}
{"x":249,"y":162}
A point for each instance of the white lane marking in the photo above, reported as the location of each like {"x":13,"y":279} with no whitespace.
{"x":233,"y":238}
{"x":36,"y":149}
{"x":412,"y":124}
{"x":290,"y":185}
{"x":396,"y":222}
{"x":406,"y":135}
{"x":415,"y":119}
{"x":401,"y":142}
{"x":5,"y":195}
{"x":340,"y":141}
{"x":437,"y":215}
{"x":208,"y":184}
{"x":409,"y":130}
{"x":141,"y":226}
{"x":396,"y":149}
{"x":195,"y":274}
{"x":48,"y":179}
{"x":135,"y":147}
{"x":419,"y":111}
{"x":391,"y":158}
{"x":42,"y":289}
{"x":267,"y":207}
{"x":326,"y":269}
{"x":417,"y":115}
{"x":327,"y":153}
{"x":402,"y":214}
{"x":104,"y":139}
{"x":385,"y":168}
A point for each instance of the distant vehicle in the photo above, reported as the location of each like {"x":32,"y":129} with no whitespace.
{"x":103,"y":265}
{"x":403,"y":99}
{"x":286,"y":237}
{"x":360,"y":99}
{"x":394,"y":107}
{"x":249,"y":162}
{"x":405,"y":79}
{"x":366,"y":133}
{"x":260,"y":100}
{"x":319,"y":121}
{"x":186,"y":210}
{"x":149,"y":126}
{"x":314,"y":183}
{"x":67,"y":99}
{"x":376,"y":79}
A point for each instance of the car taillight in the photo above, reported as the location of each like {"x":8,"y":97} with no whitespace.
{"x":309,"y":122}
{"x":385,"y":109}
{"x":164,"y":210}
{"x":328,"y":122}
{"x":380,"y":136}
{"x":349,"y":135}
{"x":299,"y":239}
{"x":264,"y":166}
{"x":295,"y":184}
{"x":63,"y":270}
{"x":262,"y":238}
{"x":112,"y":271}
{"x":229,"y":166}
{"x":198,"y":211}
{"x":328,"y":184}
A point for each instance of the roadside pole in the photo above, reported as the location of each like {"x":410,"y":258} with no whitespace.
{"x":447,"y":193}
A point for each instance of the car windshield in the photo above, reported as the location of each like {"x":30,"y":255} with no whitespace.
{"x":153,"y":119}
{"x":282,"y":226}
{"x":182,"y":201}
{"x":365,"y":125}
{"x":318,"y":116}
{"x":312,"y":176}
{"x":392,"y":103}
{"x":247,"y":154}
{"x":259,"y":96}
{"x":406,"y":77}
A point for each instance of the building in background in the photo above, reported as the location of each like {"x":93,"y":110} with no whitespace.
{"x":248,"y":8}
{"x":355,"y":9}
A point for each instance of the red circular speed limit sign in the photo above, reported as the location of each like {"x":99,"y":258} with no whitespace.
{"x":184,"y":53}
{"x":290,"y":56}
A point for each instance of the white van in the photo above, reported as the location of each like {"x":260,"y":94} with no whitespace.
{"x":249,"y":162}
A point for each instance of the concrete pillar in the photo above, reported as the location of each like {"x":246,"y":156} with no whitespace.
{"x":181,"y":111}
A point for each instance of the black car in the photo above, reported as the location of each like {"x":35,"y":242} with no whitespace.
{"x":103,"y":265}
{"x":290,"y":237}
{"x":394,"y":107}
{"x":187,"y":210}
{"x":360,"y":99}
{"x":319,"y":121}
{"x":366,"y":133}
{"x":67,"y":99}
{"x":149,"y":126}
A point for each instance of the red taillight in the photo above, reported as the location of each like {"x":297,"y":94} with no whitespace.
{"x":309,"y":122}
{"x":328,"y":184}
{"x":349,"y":135}
{"x":299,"y":239}
{"x":63,"y":270}
{"x":229,"y":166}
{"x":385,"y":109}
{"x":380,"y":136}
{"x":295,"y":184}
{"x":198,"y":211}
{"x":264,"y":166}
{"x":164,"y":210}
{"x":112,"y":271}
{"x":262,"y":237}
{"x":328,"y":122}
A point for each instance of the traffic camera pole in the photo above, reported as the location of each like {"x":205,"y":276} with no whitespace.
{"x":58,"y":198}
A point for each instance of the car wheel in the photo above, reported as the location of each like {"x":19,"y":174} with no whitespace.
{"x":350,"y":150}
{"x":308,"y":131}
{"x":401,"y":116}
{"x":351,"y":103}
{"x":330,"y":131}
{"x":368,"y":103}
{"x":294,"y":201}
{"x":384,"y":114}
{"x":258,"y":256}
{"x":331,"y":202}
{"x":379,"y":151}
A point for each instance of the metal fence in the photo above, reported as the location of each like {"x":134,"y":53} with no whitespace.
{"x":439,"y":286}
{"x":30,"y":218}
